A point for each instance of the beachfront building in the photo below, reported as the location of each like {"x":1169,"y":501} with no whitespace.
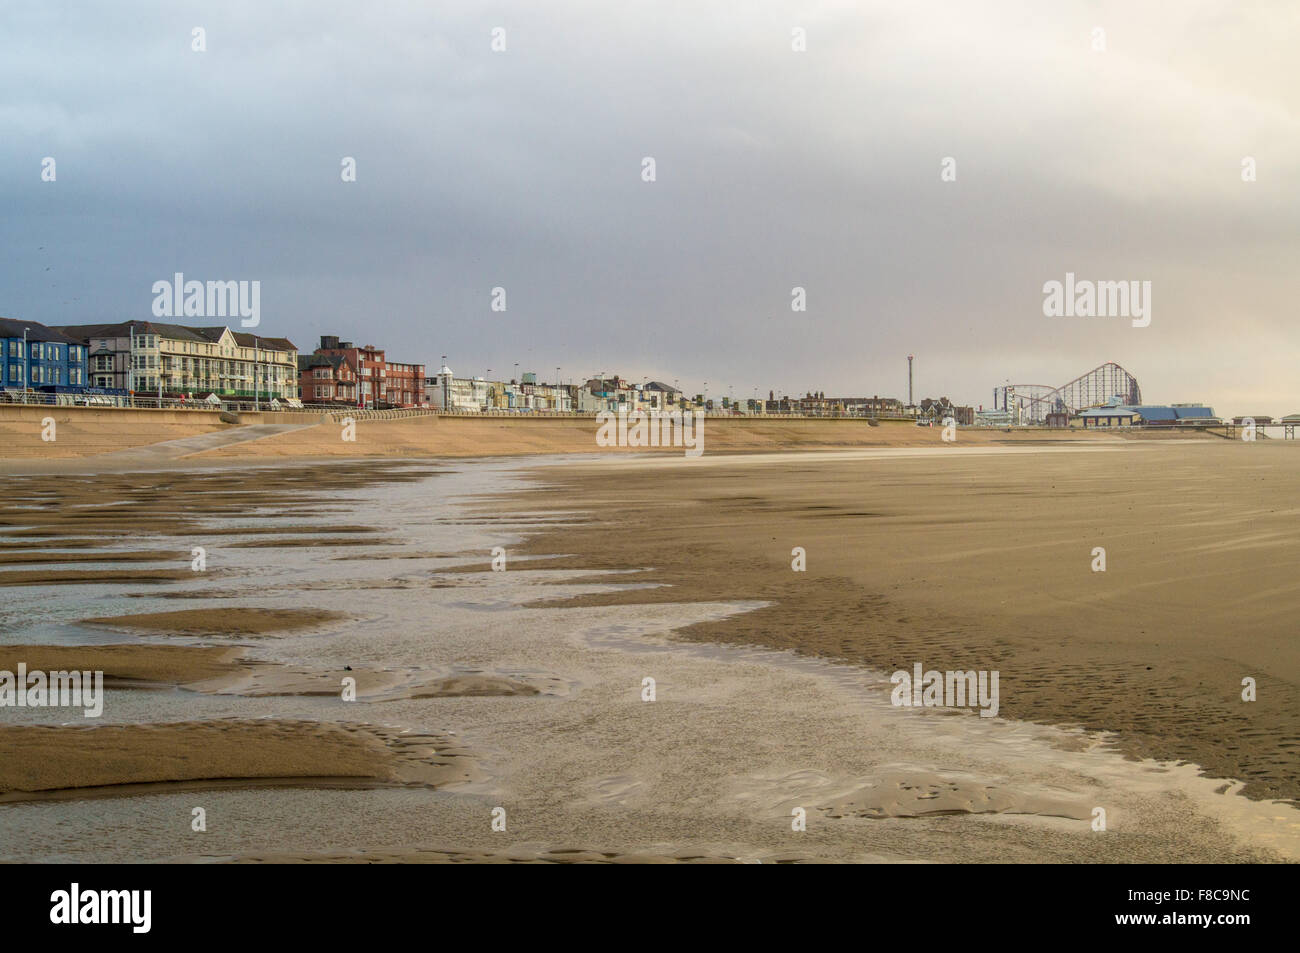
{"x":1113,"y":416}
{"x":819,"y":405}
{"x":607,"y":394}
{"x":372,"y":380}
{"x":999,"y":417}
{"x":665,"y":395}
{"x":938,"y":410}
{"x":1116,"y":414}
{"x":1176,"y":415}
{"x":878,"y":406}
{"x":36,"y":357}
{"x":620,"y":395}
{"x":533,"y":395}
{"x":452,"y":394}
{"x":327,"y":379}
{"x":377,"y":381}
{"x":403,"y":384}
{"x":449,"y":393}
{"x":152,"y":357}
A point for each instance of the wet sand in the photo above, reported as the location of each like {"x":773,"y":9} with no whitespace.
{"x":961,"y":559}
{"x":72,"y":577}
{"x":542,"y":706}
{"x":147,"y":664}
{"x":226,"y":621}
{"x":431,"y":855}
{"x":214,"y":669}
{"x":43,"y":760}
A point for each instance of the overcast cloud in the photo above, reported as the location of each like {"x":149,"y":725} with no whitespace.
{"x":775,"y":169}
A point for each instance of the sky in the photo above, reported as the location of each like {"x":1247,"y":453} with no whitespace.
{"x":1101,"y":139}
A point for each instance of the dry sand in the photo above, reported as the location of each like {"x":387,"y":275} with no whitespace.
{"x":470,"y":436}
{"x":81,"y":436}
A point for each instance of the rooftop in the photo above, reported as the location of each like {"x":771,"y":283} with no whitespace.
{"x":11,"y":328}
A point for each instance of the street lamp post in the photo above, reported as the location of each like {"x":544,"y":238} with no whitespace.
{"x":27,"y":367}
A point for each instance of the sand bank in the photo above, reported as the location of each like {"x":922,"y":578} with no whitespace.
{"x":126,"y":664}
{"x":222,"y":621}
{"x":40,"y":760}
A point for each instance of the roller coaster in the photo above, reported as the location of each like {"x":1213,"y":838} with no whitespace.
{"x":1096,"y":387}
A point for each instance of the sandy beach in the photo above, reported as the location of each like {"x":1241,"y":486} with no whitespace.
{"x":523,"y":689}
{"x":970,"y":561}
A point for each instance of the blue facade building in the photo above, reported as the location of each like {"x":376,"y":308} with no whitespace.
{"x":35,"y":357}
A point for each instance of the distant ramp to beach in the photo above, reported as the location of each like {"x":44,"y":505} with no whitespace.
{"x":184,"y":446}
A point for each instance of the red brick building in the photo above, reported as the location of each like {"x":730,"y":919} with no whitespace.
{"x":340,"y":372}
{"x":326,"y":379}
{"x":403,"y":384}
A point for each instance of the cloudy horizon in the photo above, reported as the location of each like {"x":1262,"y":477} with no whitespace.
{"x":775,"y":169}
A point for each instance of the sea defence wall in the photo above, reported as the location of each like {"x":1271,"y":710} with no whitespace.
{"x":478,"y":436}
{"x":34,"y":430}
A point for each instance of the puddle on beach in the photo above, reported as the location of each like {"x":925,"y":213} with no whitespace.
{"x":736,"y":739}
